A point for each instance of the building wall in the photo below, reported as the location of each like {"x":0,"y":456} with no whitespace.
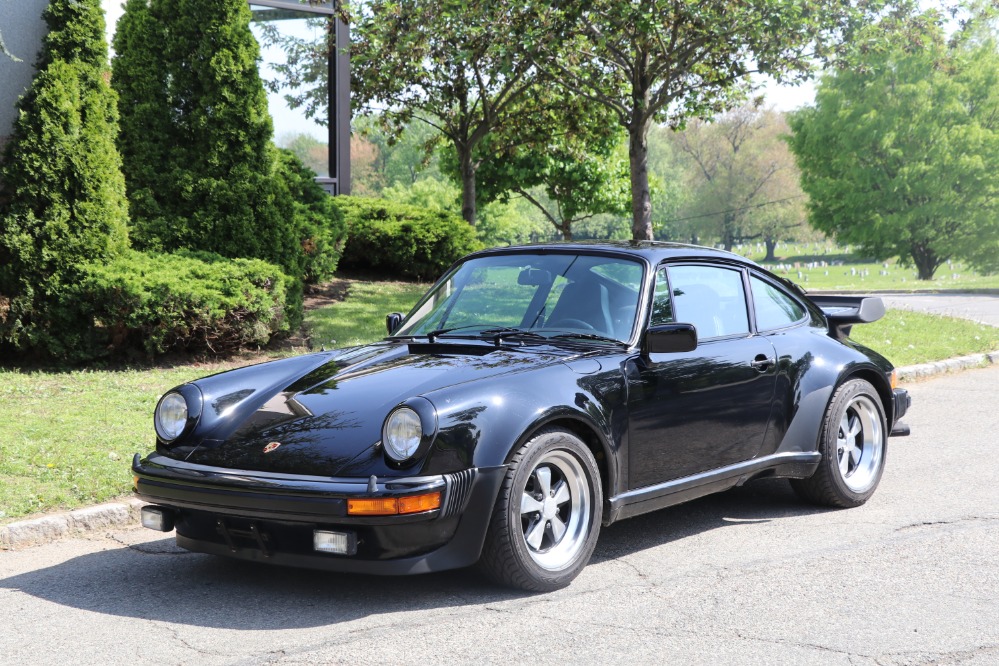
{"x":22,"y":28}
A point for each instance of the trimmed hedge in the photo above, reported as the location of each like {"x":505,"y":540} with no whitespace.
{"x":155,"y":304}
{"x":395,"y":240}
{"x":192,"y":302}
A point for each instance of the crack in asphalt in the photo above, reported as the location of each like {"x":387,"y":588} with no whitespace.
{"x":927,"y":657}
{"x":953,"y":521}
{"x":176,"y":637}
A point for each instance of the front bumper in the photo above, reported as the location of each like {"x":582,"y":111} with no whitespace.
{"x":271,"y":518}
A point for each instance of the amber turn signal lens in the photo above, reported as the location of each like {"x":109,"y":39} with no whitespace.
{"x":391,"y":506}
{"x":894,"y":379}
{"x":388,"y":506}
{"x":418,"y":503}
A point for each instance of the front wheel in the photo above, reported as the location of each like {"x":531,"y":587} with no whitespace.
{"x":545,"y":523}
{"x":853,"y":444}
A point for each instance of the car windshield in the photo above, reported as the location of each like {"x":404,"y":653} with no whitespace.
{"x":554,"y":294}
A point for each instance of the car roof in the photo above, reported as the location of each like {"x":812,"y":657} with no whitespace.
{"x":651,"y":251}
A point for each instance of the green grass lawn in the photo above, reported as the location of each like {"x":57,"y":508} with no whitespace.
{"x":908,"y":338}
{"x":360,"y":317}
{"x":825,"y":266}
{"x":67,"y":437}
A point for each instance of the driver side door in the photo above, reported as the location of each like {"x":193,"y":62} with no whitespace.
{"x":692,"y":412}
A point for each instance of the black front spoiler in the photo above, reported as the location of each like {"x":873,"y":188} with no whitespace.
{"x":446,"y":538}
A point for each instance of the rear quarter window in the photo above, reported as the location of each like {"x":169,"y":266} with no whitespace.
{"x":774,"y":307}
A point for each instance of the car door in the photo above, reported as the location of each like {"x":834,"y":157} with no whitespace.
{"x":692,"y":412}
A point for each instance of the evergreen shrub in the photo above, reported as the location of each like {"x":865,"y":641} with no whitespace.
{"x":62,"y":193}
{"x":396,"y":240}
{"x":318,"y":226}
{"x":202,"y":171}
{"x":189,"y":302}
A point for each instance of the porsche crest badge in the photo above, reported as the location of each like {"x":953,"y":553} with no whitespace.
{"x":272,"y":446}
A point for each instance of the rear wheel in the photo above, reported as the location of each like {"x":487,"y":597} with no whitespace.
{"x":545,"y":523}
{"x":854,"y":444}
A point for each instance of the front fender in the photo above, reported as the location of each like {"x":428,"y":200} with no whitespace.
{"x":482,"y":426}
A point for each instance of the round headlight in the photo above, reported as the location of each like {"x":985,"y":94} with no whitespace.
{"x":402,"y":434}
{"x":171,"y":416}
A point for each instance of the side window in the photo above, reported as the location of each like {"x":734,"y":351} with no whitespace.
{"x":711,"y":298}
{"x":662,"y":304}
{"x":774,"y":308}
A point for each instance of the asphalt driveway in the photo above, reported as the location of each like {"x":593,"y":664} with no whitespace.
{"x":751,"y":576}
{"x":978,"y":307}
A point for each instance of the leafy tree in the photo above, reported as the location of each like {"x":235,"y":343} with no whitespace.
{"x":403,"y":157}
{"x":671,"y":60}
{"x":900,"y":156}
{"x":742,"y":178}
{"x":63,"y":195}
{"x":459,"y":67}
{"x":140,"y":78}
{"x":573,"y":167}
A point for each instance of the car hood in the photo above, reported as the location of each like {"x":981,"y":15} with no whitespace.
{"x":327,"y":420}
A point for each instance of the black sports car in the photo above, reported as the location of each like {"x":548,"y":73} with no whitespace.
{"x":533,"y":394}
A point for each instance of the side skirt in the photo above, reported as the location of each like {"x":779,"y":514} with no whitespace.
{"x":677,"y":491}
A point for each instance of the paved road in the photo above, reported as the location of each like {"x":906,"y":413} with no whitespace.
{"x":751,"y":576}
{"x":980,"y":307}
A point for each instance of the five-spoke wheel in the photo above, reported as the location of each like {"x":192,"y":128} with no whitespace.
{"x":854,"y":443}
{"x":547,"y":516}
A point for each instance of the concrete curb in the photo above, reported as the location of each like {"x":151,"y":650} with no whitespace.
{"x":49,"y":528}
{"x":73,"y":523}
{"x":925,"y":370}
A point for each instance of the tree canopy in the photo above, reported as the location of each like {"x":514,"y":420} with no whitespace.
{"x":460,"y":67}
{"x":743,"y":181}
{"x":900,"y":156}
{"x":671,"y":60}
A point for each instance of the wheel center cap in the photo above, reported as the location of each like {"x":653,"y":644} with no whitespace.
{"x":549,"y":508}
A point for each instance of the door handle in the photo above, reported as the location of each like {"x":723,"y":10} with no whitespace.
{"x":762,"y":362}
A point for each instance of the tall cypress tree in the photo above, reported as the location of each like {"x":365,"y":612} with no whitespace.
{"x":196,"y":130}
{"x":139,"y":76}
{"x":62,"y":193}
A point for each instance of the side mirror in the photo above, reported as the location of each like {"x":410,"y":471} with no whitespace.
{"x":670,"y":339}
{"x":392,"y":321}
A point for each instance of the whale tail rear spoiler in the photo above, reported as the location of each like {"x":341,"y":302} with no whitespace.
{"x":842,"y":312}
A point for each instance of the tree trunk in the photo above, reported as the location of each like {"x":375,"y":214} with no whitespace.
{"x":927,"y":261}
{"x":728,"y":232}
{"x":641,"y":202}
{"x":467,"y":184}
{"x":566,"y":230}
{"x":771,"y":246}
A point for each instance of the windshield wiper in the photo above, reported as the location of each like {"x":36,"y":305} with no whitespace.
{"x":586,"y":336}
{"x":432,"y":335}
{"x":501,"y":332}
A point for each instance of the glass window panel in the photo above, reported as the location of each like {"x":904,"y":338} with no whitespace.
{"x":711,"y":298}
{"x":662,"y":304}
{"x":774,"y":308}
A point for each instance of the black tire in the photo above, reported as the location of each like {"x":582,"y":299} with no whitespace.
{"x":523,"y":548}
{"x":854,"y":447}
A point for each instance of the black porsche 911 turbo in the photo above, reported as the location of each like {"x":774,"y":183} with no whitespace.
{"x":532,"y":395}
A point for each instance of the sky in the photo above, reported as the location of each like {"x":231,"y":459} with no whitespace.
{"x":286,"y":121}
